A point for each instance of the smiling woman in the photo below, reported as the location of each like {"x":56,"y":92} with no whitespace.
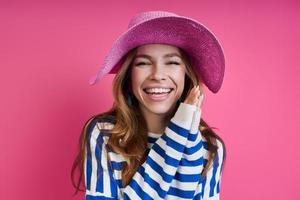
{"x":157,"y":83}
{"x":153,"y":144}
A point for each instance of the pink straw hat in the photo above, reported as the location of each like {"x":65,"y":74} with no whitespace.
{"x":163,"y":27}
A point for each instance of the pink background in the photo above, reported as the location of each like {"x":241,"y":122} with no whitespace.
{"x":48,"y":51}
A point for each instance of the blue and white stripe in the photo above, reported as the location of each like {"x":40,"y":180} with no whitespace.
{"x":172,"y":169}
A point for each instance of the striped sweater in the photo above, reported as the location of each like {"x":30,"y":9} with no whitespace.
{"x":172,"y":169}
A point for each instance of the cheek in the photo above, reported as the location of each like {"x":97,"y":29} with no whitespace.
{"x":136,"y":79}
{"x":179,"y":77}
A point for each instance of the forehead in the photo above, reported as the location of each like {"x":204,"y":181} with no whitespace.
{"x":157,"y":50}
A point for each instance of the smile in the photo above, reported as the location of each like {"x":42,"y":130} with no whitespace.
{"x":158,"y":90}
{"x":158,"y":94}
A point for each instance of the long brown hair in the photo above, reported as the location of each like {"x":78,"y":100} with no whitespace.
{"x":131,"y":141}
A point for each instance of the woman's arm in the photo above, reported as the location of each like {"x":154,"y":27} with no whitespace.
{"x":188,"y":174}
{"x":153,"y":179}
{"x":99,"y":181}
{"x":212,"y":182}
{"x":213,"y":179}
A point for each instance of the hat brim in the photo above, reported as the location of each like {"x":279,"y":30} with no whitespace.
{"x":195,"y":39}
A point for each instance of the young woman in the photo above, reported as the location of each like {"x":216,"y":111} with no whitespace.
{"x":153,"y":144}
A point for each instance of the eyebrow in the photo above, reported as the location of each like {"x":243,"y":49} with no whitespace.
{"x":165,"y":56}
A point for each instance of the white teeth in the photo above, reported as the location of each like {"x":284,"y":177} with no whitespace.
{"x":158,"y":90}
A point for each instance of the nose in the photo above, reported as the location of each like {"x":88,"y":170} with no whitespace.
{"x":158,"y":73}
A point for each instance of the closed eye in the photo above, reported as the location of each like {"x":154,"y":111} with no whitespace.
{"x":141,"y":63}
{"x":175,"y":63}
{"x":169,"y":63}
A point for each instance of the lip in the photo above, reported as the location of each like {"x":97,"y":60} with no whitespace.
{"x":148,"y":87}
{"x":157,"y":86}
{"x":158,"y":97}
{"x":171,"y":89}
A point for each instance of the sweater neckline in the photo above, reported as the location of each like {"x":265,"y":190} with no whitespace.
{"x":154,"y":135}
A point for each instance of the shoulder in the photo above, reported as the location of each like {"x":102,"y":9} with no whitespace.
{"x":99,"y":127}
{"x":101,"y":123}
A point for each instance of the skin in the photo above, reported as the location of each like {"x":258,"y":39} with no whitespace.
{"x":155,"y":70}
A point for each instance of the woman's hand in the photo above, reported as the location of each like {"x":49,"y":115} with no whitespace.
{"x":195,"y":97}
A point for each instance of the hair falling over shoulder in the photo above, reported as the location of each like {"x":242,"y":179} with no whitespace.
{"x":131,"y":141}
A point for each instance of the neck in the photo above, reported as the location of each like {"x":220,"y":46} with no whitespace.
{"x":156,"y":123}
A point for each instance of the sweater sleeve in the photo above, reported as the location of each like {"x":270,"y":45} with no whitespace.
{"x":212,"y":182}
{"x":187,"y":177}
{"x":213,"y":179}
{"x":99,"y":181}
{"x":153,"y":179}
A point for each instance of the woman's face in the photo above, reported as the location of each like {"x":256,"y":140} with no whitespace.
{"x":157,"y":78}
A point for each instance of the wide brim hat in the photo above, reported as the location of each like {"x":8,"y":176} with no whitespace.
{"x":201,"y":45}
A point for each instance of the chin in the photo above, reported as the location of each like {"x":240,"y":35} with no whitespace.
{"x":159,"y":109}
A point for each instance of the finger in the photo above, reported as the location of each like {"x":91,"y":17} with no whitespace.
{"x":194,"y":99}
{"x":198,"y":98}
{"x":198,"y":92}
{"x":195,"y":96}
{"x":191,"y":94}
{"x":200,"y":103}
{"x":195,"y":88}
